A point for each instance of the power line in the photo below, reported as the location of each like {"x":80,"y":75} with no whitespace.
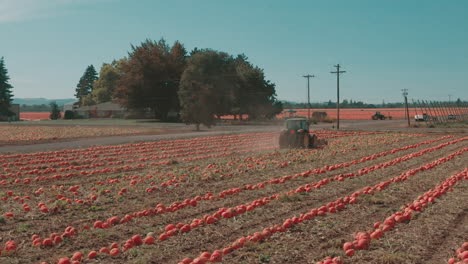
{"x":308,"y":76}
{"x":338,"y":72}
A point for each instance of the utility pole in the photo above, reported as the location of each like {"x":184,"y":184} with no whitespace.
{"x":308,"y":76}
{"x":405,"y":95}
{"x":337,"y":72}
{"x":450,"y":98}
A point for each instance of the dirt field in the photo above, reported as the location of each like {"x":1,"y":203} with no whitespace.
{"x":45,"y":135}
{"x":236,"y":198}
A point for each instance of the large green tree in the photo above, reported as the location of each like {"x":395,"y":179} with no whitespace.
{"x":255,"y":95}
{"x":85,"y":85}
{"x":207,"y":87}
{"x":106,"y":85}
{"x":151,"y":76}
{"x":6,"y":95}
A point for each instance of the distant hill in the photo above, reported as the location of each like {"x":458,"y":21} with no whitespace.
{"x":40,"y":101}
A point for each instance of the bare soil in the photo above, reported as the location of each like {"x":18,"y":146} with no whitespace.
{"x":431,"y":237}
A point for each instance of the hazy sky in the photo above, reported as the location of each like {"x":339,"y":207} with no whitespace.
{"x":384,"y":46}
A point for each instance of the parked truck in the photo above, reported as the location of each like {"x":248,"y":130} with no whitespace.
{"x":423,"y":117}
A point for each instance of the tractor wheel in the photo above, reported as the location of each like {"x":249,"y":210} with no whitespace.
{"x":296,"y":141}
{"x":307,"y":141}
{"x":313,"y":141}
{"x":283,"y":140}
{"x":290,"y":140}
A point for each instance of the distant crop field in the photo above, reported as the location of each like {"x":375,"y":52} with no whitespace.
{"x":34,"y":116}
{"x":366,"y":197}
{"x":345,"y":114}
{"x":32,"y":134}
{"x":356,"y":114}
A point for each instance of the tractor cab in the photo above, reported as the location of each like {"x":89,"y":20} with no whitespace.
{"x":295,"y":124}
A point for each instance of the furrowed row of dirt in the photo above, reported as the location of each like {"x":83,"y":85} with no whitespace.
{"x":266,"y":192}
{"x":120,"y":157}
{"x":134,"y":164}
{"x":170,"y":245}
{"x":431,"y":238}
{"x":198,"y":187}
{"x":213,"y":236}
{"x":325,"y":236}
{"x":269,"y":215}
{"x":187,"y":189}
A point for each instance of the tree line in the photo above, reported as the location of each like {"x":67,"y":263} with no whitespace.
{"x":37,"y":108}
{"x":353,"y":104}
{"x":197,"y":86}
{"x":343,"y":104}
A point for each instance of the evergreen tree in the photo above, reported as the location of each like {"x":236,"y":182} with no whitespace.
{"x":54,"y":111}
{"x":194,"y":51}
{"x":86,"y":83}
{"x":5,"y":90}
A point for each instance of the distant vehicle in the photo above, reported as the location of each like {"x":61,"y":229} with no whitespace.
{"x":452,"y":117}
{"x":380,"y":116}
{"x":424,"y":117}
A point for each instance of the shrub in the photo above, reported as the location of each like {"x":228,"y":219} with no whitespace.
{"x":69,"y":115}
{"x":54,"y":111}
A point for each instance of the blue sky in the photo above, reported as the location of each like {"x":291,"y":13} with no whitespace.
{"x":384,"y":46}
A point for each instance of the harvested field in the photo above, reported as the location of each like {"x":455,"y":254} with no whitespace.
{"x":385,"y":197}
{"x":34,"y":134}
